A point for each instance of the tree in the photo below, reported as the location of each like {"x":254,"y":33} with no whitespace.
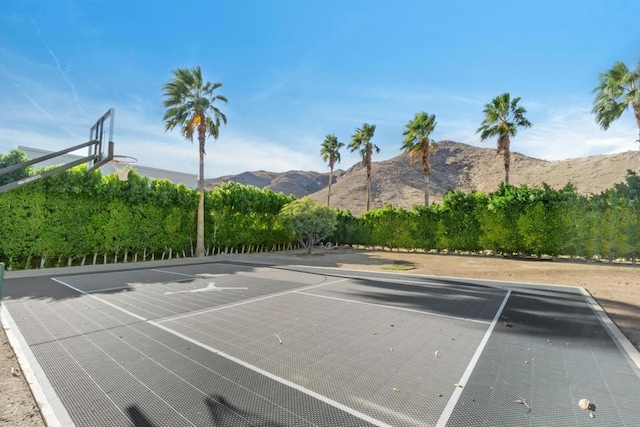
{"x":330,"y":152}
{"x":361,"y":140}
{"x":309,"y":221}
{"x":189,"y":104}
{"x":503,"y":117}
{"x":618,"y":88}
{"x":419,"y":146}
{"x":14,"y":157}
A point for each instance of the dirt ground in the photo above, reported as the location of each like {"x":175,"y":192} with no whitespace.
{"x":615,"y":287}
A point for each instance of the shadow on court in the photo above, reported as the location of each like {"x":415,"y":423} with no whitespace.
{"x":221,"y":412}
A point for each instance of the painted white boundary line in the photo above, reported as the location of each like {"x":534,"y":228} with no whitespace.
{"x":249,"y":301}
{"x":428,"y":313}
{"x":52,"y":410}
{"x":288,"y":383}
{"x":453,"y":400}
{"x":172,"y":272}
{"x":613,"y":329}
{"x":295,"y":386}
{"x":99,"y":299}
{"x":336,"y":270}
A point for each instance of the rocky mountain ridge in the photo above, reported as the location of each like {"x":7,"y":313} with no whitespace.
{"x":453,"y":166}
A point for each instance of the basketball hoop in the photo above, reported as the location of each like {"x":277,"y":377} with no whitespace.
{"x":123,"y":165}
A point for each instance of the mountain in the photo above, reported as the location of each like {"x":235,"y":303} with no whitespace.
{"x":453,"y":166}
{"x":298,"y":183}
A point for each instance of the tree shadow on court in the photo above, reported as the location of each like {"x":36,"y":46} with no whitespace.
{"x":44,"y":287}
{"x":221,"y":412}
{"x":552,"y":313}
{"x":478,"y":302}
{"x":224,"y":413}
{"x":138,"y":418}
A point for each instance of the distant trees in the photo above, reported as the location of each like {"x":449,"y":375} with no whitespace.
{"x":330,"y":152}
{"x":502,"y":118}
{"x":619,"y":87}
{"x":361,"y":141}
{"x":419,"y":146}
{"x":189,"y":103}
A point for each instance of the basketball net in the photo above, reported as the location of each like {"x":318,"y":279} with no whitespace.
{"x":123,"y":165}
{"x":122,"y":170}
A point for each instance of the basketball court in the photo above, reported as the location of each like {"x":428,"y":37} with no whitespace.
{"x":232,"y":343}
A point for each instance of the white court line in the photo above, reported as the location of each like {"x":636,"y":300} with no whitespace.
{"x":99,"y":299}
{"x":453,"y":400}
{"x":117,"y":288}
{"x":337,"y":272}
{"x":49,"y":403}
{"x":614,"y":331}
{"x":429,"y":313}
{"x":197,"y":276}
{"x":267,"y":374}
{"x":249,"y":301}
{"x":295,"y":386}
{"x":172,"y":272}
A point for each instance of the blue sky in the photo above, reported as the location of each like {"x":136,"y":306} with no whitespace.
{"x":295,"y":71}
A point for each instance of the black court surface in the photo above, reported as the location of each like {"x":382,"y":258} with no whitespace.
{"x":238,"y":344}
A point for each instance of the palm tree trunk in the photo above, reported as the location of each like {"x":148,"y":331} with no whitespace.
{"x":368,"y":165}
{"x":426,"y":190}
{"x":200,"y":222}
{"x":507,"y":165}
{"x":368,"y":192}
{"x":636,"y":112}
{"x":426,"y":164}
{"x":329,"y":190}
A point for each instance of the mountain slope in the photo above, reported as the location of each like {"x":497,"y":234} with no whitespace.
{"x":298,"y":183}
{"x":453,"y":166}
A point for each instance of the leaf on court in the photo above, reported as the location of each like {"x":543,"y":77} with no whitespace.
{"x":396,"y":389}
{"x":375,"y":333}
{"x":15,"y":372}
{"x":439,"y":394}
{"x":392,"y":325}
{"x":457,"y":385}
{"x":435,"y":354}
{"x":279,"y":339}
{"x":521,"y":401}
{"x":592,"y":415}
{"x":508,"y":324}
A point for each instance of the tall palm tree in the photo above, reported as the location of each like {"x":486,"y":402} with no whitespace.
{"x":502,"y":118}
{"x":330,"y":152}
{"x":189,"y":103}
{"x":419,"y":146}
{"x":618,"y":88}
{"x":361,"y":140}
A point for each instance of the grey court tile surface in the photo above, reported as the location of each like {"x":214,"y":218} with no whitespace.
{"x":229,"y":344}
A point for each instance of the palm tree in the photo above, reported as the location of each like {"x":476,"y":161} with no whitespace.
{"x":189,"y":103}
{"x":330,"y":152}
{"x":418,"y":145}
{"x":502,"y":118}
{"x":618,"y":88}
{"x":361,"y":140}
